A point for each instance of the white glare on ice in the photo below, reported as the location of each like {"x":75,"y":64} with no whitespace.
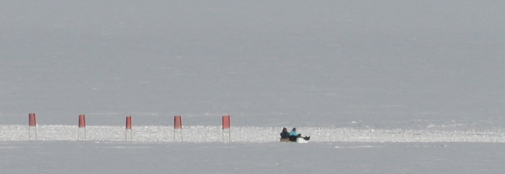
{"x":200,"y":134}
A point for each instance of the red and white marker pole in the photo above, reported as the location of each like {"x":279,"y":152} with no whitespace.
{"x":32,"y":124}
{"x":226,"y":125}
{"x":82,"y":125}
{"x":129,"y":128}
{"x":178,"y":125}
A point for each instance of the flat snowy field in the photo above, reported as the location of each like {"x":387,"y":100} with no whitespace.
{"x":380,"y":86}
{"x":208,"y":134}
{"x":206,"y":149}
{"x":273,"y":157}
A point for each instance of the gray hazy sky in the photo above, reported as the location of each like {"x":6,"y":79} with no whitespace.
{"x":243,"y":28}
{"x":345,"y":59}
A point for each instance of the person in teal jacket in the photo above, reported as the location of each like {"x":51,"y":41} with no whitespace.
{"x":293,"y":132}
{"x":293,"y":135}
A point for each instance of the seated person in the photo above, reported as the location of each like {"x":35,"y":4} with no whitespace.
{"x":284,"y":135}
{"x":293,"y":135}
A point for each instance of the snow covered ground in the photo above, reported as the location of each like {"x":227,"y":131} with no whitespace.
{"x":134,"y":157}
{"x":205,"y":149}
{"x":209,"y":134}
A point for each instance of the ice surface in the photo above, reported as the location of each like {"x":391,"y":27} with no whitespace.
{"x":131,"y":157}
{"x":208,"y":134}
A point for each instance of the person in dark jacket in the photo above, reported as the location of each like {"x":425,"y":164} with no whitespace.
{"x":284,"y":133}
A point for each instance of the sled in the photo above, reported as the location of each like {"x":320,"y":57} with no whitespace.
{"x":296,"y":139}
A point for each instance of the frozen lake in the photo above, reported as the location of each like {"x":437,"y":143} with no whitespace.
{"x":208,"y":134}
{"x":131,"y":157}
